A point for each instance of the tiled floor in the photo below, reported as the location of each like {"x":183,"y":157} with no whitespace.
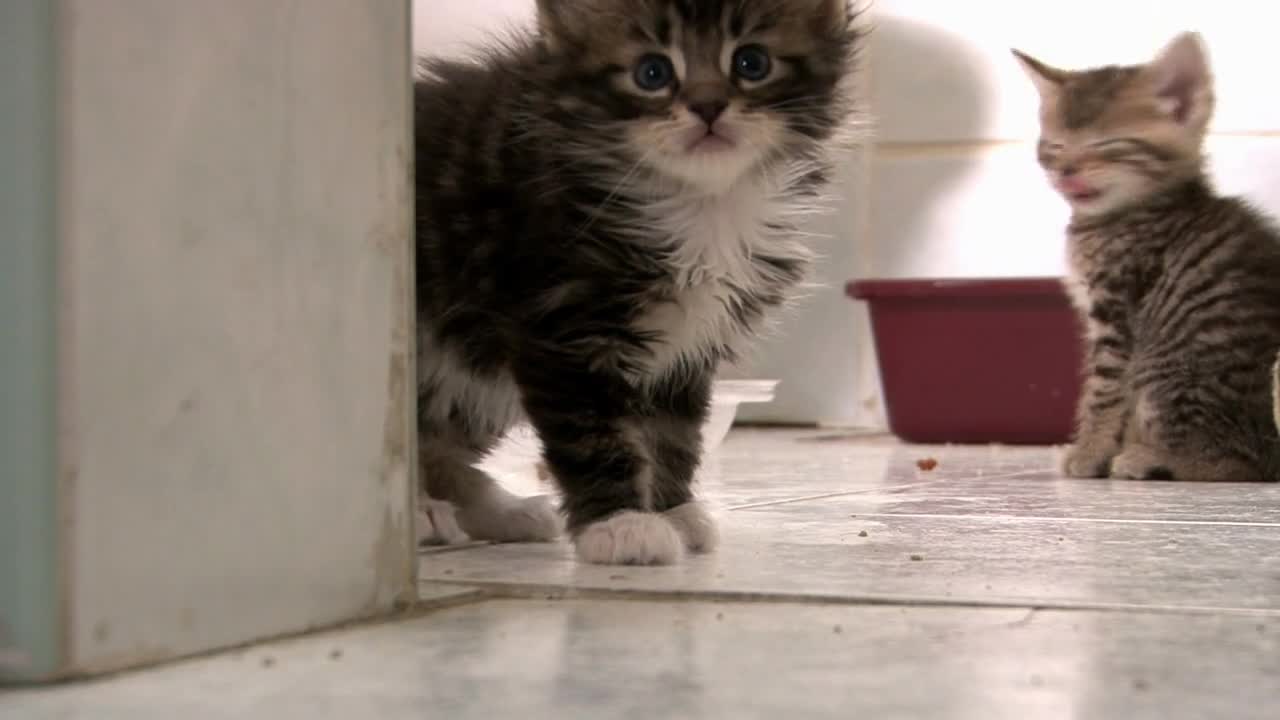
{"x":850,"y":584}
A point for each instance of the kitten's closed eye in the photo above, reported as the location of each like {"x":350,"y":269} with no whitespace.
{"x":1129,"y":146}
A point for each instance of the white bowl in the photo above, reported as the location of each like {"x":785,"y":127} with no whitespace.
{"x":726,"y":396}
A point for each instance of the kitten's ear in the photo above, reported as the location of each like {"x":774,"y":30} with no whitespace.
{"x":824,"y":16}
{"x":565,"y":22}
{"x":836,"y":12}
{"x":1048,"y":80}
{"x":1183,"y":80}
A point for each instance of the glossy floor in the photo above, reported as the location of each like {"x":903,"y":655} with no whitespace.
{"x":850,"y":583}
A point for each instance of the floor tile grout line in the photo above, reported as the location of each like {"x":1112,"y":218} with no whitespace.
{"x":1083,"y":520}
{"x":426,"y":550}
{"x":824,"y":496}
{"x":545,"y":591}
{"x":885,"y":488}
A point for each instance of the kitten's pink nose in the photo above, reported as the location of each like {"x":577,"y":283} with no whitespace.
{"x":709,"y":111}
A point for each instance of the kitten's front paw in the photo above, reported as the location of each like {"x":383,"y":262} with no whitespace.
{"x":1087,"y":461}
{"x":696,"y":526}
{"x":532,"y":519}
{"x":630,"y":538}
{"x":1140,"y":463}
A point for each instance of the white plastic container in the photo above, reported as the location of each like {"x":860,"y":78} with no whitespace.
{"x":726,"y":396}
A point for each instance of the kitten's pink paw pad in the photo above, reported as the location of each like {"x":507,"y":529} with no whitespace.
{"x":631,"y":538}
{"x":696,"y":527}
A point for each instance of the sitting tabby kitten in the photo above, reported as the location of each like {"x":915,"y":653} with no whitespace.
{"x":606,"y":210}
{"x":1179,"y":288}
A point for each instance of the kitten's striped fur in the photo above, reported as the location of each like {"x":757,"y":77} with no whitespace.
{"x":583,"y":261}
{"x":1179,"y":288}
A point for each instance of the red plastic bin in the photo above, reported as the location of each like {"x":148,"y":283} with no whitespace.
{"x":976,"y":360}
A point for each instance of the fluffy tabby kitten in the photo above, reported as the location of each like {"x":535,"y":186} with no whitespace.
{"x":606,"y":210}
{"x":1179,"y":287}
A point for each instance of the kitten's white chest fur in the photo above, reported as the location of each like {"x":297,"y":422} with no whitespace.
{"x":715,"y":240}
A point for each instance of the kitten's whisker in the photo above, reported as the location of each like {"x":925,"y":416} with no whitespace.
{"x":811,"y":100}
{"x":599,"y":211}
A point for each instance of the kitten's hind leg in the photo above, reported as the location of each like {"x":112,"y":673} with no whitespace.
{"x":437,"y":523}
{"x":1145,"y":462}
{"x":484,"y":510}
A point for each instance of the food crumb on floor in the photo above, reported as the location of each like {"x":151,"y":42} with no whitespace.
{"x":927,"y":464}
{"x":862,"y":534}
{"x":917,"y":558}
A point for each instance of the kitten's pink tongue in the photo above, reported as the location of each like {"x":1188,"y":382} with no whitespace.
{"x":1073,"y":185}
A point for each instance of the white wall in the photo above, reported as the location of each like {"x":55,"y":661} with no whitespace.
{"x":234,"y":324}
{"x":451,"y":26}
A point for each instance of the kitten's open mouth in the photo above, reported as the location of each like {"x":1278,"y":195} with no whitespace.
{"x":710,"y":143}
{"x":1077,"y":190}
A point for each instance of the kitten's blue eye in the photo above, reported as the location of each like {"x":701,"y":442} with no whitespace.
{"x":654,"y":72}
{"x":752,"y":63}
